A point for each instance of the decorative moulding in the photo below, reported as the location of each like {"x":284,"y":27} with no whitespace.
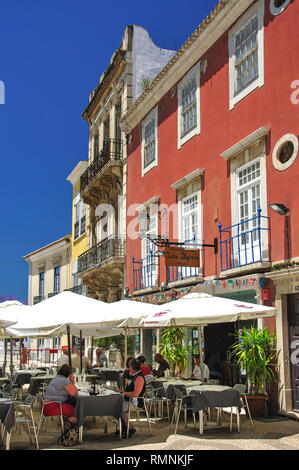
{"x":187,"y":179}
{"x":246,"y":142}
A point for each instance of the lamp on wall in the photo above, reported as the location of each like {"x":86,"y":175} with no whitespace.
{"x":280,"y":209}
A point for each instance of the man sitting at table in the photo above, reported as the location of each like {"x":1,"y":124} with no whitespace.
{"x":76,"y":363}
{"x":135,"y":390}
{"x":163,"y":366}
{"x":197,"y":370}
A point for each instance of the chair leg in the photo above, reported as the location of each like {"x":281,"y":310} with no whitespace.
{"x":178,"y":417}
{"x":148,"y":420}
{"x":34,"y":430}
{"x":248,"y":410}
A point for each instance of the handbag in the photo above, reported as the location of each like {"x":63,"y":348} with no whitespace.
{"x":69,"y":437}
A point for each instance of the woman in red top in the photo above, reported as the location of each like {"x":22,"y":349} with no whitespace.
{"x":146,"y":370}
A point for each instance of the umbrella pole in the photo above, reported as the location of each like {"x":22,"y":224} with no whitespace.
{"x":69,"y":344}
{"x":5,"y":355}
{"x":200,"y":353}
{"x":80,"y":351}
{"x":11,"y":362}
{"x":91,"y":353}
{"x":20,"y":351}
{"x":126,"y":344}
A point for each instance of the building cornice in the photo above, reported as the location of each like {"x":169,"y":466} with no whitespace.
{"x":114,"y":70}
{"x":48,"y":249}
{"x":245,"y":143}
{"x":225,"y":13}
{"x":74,"y":176}
{"x":187,"y":179}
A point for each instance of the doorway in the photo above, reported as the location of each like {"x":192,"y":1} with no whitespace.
{"x":293,"y":319}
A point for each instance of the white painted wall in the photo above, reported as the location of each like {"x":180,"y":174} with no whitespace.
{"x":148,"y":59}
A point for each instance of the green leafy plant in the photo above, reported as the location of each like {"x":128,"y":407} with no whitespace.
{"x":256,"y":353}
{"x":173,"y":350}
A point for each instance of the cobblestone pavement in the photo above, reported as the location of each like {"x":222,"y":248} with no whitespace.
{"x":272,"y":435}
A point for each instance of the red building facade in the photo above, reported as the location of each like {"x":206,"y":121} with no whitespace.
{"x":212,"y":142}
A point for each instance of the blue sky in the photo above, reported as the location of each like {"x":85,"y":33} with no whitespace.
{"x":52,"y":55}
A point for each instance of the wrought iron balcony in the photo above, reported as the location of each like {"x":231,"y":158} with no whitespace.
{"x":80,"y":289}
{"x":145,"y":272}
{"x":38,"y":298}
{"x":111,"y":151}
{"x":51,"y":294}
{"x":245,"y":243}
{"x":109,"y":248}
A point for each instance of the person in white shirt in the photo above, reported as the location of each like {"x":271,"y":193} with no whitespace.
{"x":64,"y":358}
{"x":197,"y":370}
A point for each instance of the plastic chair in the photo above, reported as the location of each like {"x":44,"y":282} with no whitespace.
{"x":24,"y":415}
{"x":242,"y":389}
{"x":44,"y":417}
{"x":183,"y":402}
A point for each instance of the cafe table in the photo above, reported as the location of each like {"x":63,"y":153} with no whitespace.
{"x":214,"y":396}
{"x":106,"y":403}
{"x":22,"y":377}
{"x":7,"y":418}
{"x":36,"y":381}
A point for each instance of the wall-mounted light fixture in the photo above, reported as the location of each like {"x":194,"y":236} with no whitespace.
{"x":280,"y":209}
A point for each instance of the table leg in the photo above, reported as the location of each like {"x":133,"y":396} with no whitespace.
{"x":7,"y":440}
{"x":105,"y":424}
{"x":238,"y":419}
{"x":80,"y":434}
{"x":200,"y":422}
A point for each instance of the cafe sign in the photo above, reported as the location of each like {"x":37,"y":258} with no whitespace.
{"x":176,"y":256}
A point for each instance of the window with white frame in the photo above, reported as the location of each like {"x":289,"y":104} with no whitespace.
{"x":150,"y":259}
{"x":57,"y":279}
{"x":190,"y":228}
{"x":246,"y":54}
{"x":41,"y":288}
{"x":188,"y":106}
{"x":249,"y":200}
{"x":80,"y":217}
{"x":150,"y":141}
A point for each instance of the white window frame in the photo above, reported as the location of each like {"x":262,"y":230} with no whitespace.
{"x":186,"y":272}
{"x":145,"y":241}
{"x":152,"y":115}
{"x":193,"y":73}
{"x":259,"y":10}
{"x":277,"y":10}
{"x":79,"y":213}
{"x":235,"y":215}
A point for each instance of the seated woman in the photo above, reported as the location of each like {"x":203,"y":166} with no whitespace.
{"x":61,"y":389}
{"x":135,"y":390}
{"x":145,"y":369}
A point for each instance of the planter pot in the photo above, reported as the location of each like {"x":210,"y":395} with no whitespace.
{"x":256,"y":405}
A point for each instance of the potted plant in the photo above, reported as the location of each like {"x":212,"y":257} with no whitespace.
{"x":172,"y":349}
{"x":256,"y":353}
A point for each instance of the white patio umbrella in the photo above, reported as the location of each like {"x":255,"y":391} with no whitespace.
{"x":129,"y":313}
{"x":200,"y":309}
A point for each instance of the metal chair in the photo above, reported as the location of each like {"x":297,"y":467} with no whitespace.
{"x":24,"y":415}
{"x":242,"y":390}
{"x":135,"y":409}
{"x":44,"y":417}
{"x":183,"y":402}
{"x":161,"y":397}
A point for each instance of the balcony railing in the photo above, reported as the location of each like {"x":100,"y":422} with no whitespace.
{"x":38,"y":298}
{"x":81,"y":289}
{"x":145,"y":272}
{"x":112,"y":150}
{"x":245,"y":242}
{"x":51,"y":294}
{"x":111,"y":247}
